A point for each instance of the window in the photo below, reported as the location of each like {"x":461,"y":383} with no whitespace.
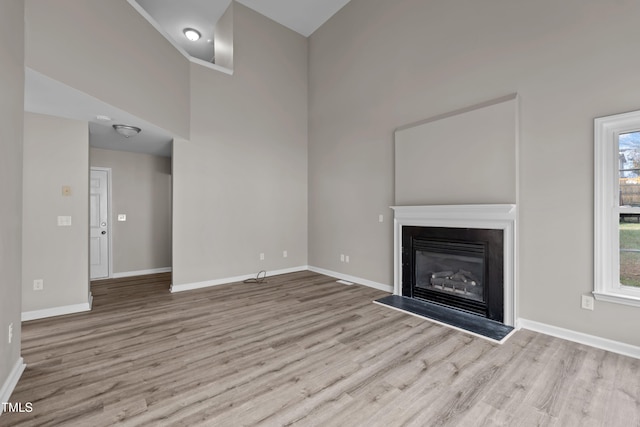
{"x":617,"y":208}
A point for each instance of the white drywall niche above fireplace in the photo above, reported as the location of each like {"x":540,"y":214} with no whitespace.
{"x":493,"y":216}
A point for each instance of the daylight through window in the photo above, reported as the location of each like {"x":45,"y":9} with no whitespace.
{"x":629,"y":222}
{"x":617,"y":208}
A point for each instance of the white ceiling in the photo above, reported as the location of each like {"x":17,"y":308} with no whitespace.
{"x":47,"y":96}
{"x":302,"y":16}
{"x":174,"y":16}
{"x":171,"y":17}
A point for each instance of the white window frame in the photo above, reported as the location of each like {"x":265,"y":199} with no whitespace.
{"x":607,"y":210}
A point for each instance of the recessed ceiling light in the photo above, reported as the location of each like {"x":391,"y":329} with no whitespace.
{"x":191,"y":34}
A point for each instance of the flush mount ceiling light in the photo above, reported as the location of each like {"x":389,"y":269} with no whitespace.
{"x":191,"y":34}
{"x":126,"y":130}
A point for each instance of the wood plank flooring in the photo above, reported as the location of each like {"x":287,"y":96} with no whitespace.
{"x":301,"y":349}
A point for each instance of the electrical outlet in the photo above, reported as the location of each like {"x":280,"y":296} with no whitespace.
{"x":261,"y":256}
{"x":284,"y":254}
{"x":10,"y":335}
{"x":587,"y":302}
{"x":38,"y":285}
{"x":346,"y":259}
{"x":380,"y":218}
{"x":341,"y":257}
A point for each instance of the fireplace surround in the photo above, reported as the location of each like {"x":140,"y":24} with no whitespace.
{"x":461,"y":256}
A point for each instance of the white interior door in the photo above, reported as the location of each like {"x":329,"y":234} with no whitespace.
{"x":99,"y":224}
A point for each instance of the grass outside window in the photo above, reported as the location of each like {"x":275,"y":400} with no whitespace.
{"x":630,"y":254}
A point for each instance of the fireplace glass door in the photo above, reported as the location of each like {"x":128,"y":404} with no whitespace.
{"x":451,"y":268}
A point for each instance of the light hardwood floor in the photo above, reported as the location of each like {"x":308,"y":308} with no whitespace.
{"x":304,"y":350}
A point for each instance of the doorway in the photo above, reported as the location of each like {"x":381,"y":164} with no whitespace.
{"x":99,"y":226}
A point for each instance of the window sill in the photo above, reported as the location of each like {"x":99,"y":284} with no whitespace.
{"x":618,"y":298}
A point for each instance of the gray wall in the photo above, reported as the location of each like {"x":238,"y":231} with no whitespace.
{"x":377,"y":65}
{"x":11,"y":119}
{"x":56,"y":154}
{"x":223,"y":36}
{"x":471,"y":155}
{"x":107,"y":50}
{"x":240,"y":184}
{"x":141,"y":189}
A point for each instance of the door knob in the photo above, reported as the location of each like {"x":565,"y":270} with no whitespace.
{"x":104,"y":232}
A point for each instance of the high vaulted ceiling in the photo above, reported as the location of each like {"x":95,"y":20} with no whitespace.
{"x":302,"y":16}
{"x":46,"y":96}
{"x":171,"y":17}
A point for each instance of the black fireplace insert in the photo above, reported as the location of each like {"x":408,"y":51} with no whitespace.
{"x":461,"y":268}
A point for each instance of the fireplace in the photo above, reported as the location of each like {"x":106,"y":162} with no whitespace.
{"x":460,"y":268}
{"x":458,"y":256}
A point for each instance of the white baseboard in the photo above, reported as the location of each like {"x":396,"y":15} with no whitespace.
{"x":140,"y":272}
{"x":11,"y":381}
{"x":57,"y":311}
{"x":369,"y":283}
{"x":208,"y":283}
{"x":581,"y":338}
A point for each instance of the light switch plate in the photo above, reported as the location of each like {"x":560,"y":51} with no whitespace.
{"x":64,"y":221}
{"x":122,"y":217}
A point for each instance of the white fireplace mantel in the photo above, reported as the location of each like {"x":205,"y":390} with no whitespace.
{"x":495,"y":216}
